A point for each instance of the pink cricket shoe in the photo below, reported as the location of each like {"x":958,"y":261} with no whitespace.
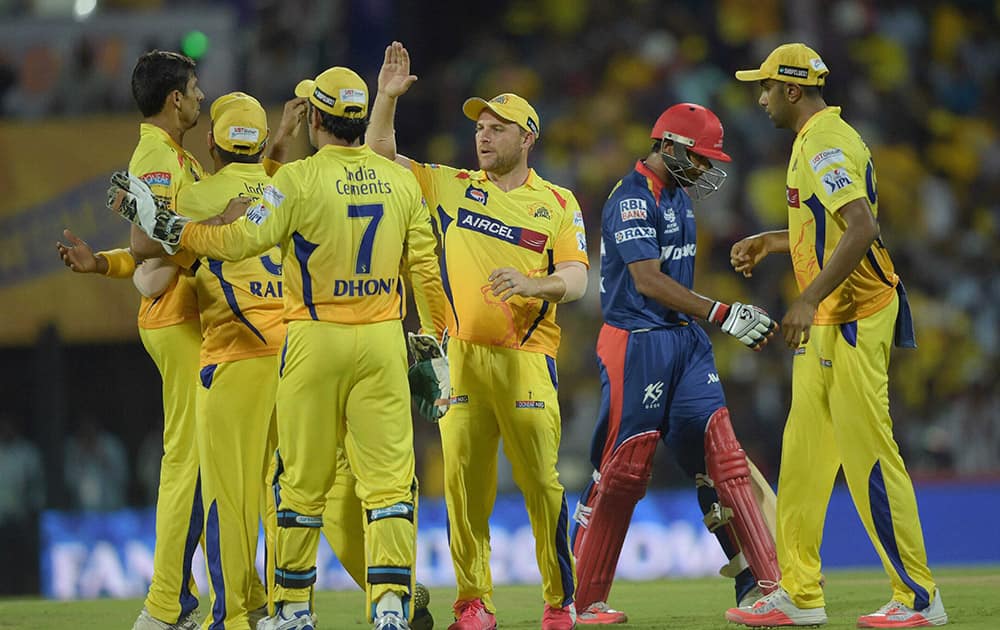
{"x":472,"y":615}
{"x":898,"y":615}
{"x":775,"y":610}
{"x":598,"y":614}
{"x":559,"y":618}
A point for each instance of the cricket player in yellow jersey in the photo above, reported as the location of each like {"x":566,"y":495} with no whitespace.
{"x":851,"y":309}
{"x":165,"y":87}
{"x":349,"y":221}
{"x":512,"y":247}
{"x":242,"y":331}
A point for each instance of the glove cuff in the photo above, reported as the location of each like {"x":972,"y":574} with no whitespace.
{"x":718,"y":313}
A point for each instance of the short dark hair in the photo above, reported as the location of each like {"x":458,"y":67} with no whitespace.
{"x":348,"y":129}
{"x":228,"y":157}
{"x":813,"y":90}
{"x":157,"y":73}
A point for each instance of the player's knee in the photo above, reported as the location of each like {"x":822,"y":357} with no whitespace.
{"x":724,"y":456}
{"x":402,"y":509}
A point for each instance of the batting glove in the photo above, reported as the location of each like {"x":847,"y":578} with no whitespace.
{"x":130,"y":197}
{"x":748,"y":323}
{"x":430,"y":383}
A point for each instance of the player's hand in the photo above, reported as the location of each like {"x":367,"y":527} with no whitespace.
{"x":430,"y":380}
{"x":79,"y":256}
{"x":745,"y":254}
{"x":507,"y":282}
{"x":292,"y":117}
{"x":748,"y":323}
{"x":797,"y":321}
{"x":130,"y":197}
{"x":394,"y":79}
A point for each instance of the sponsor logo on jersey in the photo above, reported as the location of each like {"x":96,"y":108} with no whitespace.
{"x":632,"y":233}
{"x":670,"y":217}
{"x":578,"y":219}
{"x":156,"y":178}
{"x":799,"y":351}
{"x":792,"y":195}
{"x":529,"y":404}
{"x":581,"y":241}
{"x":689,"y":213}
{"x":541,"y":213}
{"x":826,"y":158}
{"x":632,"y":209}
{"x":837,"y":179}
{"x":459,"y":400}
{"x":273,"y":196}
{"x":826,"y":362}
{"x":712,"y":378}
{"x":477,"y":194}
{"x":793,"y":71}
{"x":672,"y":252}
{"x":651,"y":397}
{"x":363,"y":288}
{"x":521,"y":237}
{"x":257,"y":214}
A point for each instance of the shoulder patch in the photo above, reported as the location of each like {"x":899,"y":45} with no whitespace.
{"x":826,"y":157}
{"x":273,"y":196}
{"x":156,"y":178}
{"x":257,"y":214}
{"x":632,"y":208}
{"x":836,"y":180}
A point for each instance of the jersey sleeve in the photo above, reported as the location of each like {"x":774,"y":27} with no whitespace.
{"x":421,"y":267}
{"x":837,"y":167}
{"x":162,"y":180}
{"x":429,"y":176}
{"x":195,"y":206}
{"x":630,"y":221}
{"x":571,"y":240}
{"x":265,"y":224}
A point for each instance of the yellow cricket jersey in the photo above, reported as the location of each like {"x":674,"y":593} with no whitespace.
{"x":165,"y":166}
{"x":349,"y":222}
{"x":531,"y":228}
{"x":240,"y":302}
{"x":831,"y":166}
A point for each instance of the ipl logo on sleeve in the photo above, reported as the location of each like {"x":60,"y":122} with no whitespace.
{"x":837,"y":179}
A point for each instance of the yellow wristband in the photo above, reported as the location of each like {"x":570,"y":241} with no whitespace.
{"x":121,"y":264}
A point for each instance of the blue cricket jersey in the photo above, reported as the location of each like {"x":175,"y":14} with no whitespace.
{"x":643,"y":220}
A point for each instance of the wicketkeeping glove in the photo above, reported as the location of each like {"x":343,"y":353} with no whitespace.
{"x":130,"y":197}
{"x":430,"y":383}
{"x":748,"y":323}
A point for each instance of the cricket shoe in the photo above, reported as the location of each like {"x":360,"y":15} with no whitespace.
{"x":299,"y":620}
{"x":422,"y":618}
{"x":146,"y":621}
{"x":472,"y":615}
{"x":598,"y":614}
{"x":559,"y":618}
{"x":751,"y":597}
{"x":774,"y":610}
{"x":391,"y":620}
{"x":899,"y":615}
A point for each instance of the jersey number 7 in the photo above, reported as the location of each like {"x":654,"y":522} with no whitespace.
{"x":373,"y":211}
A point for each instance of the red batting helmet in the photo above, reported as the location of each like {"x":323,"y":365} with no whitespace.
{"x":694,"y":127}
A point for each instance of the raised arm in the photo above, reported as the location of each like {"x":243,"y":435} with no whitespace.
{"x":394,"y":79}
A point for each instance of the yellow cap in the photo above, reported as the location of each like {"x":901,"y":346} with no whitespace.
{"x":791,"y":63}
{"x":338,"y":91}
{"x":239,"y":123}
{"x":507,"y":106}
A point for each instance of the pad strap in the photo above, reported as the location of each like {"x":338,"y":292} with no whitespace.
{"x":295,"y":579}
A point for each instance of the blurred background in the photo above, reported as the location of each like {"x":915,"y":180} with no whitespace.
{"x":80,"y":424}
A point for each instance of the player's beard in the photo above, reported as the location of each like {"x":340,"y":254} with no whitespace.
{"x":502,"y":163}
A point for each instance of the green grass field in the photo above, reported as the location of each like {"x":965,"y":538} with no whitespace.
{"x":971,"y":595}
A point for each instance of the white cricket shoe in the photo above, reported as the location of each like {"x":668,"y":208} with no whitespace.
{"x":300,"y":620}
{"x":391,"y":621}
{"x":146,"y":621}
{"x":899,"y":615}
{"x":774,"y":610}
{"x":751,"y":597}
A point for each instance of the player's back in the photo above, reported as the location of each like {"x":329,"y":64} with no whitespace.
{"x":240,"y":302}
{"x":349,"y":211}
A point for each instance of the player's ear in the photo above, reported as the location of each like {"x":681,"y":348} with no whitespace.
{"x":793,"y":92}
{"x":210,"y":140}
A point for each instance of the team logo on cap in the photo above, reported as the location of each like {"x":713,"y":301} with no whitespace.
{"x":500,"y":100}
{"x":817,"y":64}
{"x":793,"y":71}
